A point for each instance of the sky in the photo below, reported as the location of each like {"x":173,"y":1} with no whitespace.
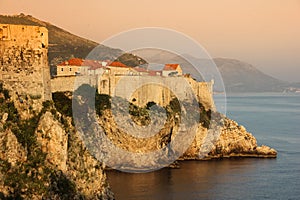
{"x":264,"y":33}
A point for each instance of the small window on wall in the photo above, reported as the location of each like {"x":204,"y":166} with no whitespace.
{"x":70,"y":69}
{"x":62,"y":69}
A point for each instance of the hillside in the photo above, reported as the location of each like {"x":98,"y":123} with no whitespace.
{"x":239,"y":76}
{"x":64,"y":45}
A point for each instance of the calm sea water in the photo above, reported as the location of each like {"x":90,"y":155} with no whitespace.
{"x":274,"y":119}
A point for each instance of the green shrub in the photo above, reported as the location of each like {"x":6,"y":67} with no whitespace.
{"x":62,"y":103}
{"x":102,"y":102}
{"x":150,"y":104}
{"x":62,"y":186}
{"x":6,"y":94}
{"x":34,"y":97}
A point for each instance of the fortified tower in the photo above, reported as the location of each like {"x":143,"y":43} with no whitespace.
{"x":24,"y":68}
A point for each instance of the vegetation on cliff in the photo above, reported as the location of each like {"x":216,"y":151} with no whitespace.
{"x":32,"y":174}
{"x":224,"y":144}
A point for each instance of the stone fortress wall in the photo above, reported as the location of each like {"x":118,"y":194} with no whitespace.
{"x":143,"y":89}
{"x":140,"y":89}
{"x":24,"y":70}
{"x":24,"y":67}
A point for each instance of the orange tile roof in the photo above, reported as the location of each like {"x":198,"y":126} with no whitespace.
{"x":93,"y":64}
{"x":171,"y":67}
{"x":72,"y":61}
{"x":117,"y":64}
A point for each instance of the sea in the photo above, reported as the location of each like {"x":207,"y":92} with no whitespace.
{"x":274,"y":120}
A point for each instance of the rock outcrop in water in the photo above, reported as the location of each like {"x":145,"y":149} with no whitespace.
{"x":233,"y":141}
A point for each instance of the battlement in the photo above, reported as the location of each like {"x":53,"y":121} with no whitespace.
{"x":24,"y":65}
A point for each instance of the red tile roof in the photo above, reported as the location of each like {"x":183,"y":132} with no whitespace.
{"x":171,"y":67}
{"x":117,"y":64}
{"x":93,"y":64}
{"x":72,"y":61}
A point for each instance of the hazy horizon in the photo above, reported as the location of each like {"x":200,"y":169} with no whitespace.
{"x":265,"y":34}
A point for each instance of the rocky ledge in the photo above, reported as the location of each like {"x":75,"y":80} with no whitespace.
{"x":233,"y":141}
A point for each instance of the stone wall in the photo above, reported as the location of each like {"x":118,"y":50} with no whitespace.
{"x":71,"y":83}
{"x":142,"y":89}
{"x":24,"y":66}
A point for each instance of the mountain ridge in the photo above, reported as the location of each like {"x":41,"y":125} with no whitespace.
{"x":241,"y":76}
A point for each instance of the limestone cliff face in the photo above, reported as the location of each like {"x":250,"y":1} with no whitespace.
{"x":53,"y":140}
{"x":43,"y":157}
{"x":230,"y":140}
{"x":85,"y":170}
{"x":10,"y":148}
{"x":222,"y":138}
{"x":11,"y":152}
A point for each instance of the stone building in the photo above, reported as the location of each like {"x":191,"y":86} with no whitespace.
{"x":78,"y":66}
{"x":24,"y":68}
{"x":136,"y":84}
{"x":172,"y":70}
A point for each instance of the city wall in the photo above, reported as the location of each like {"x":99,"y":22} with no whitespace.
{"x":24,"y":66}
{"x":24,"y":70}
{"x":141,"y":89}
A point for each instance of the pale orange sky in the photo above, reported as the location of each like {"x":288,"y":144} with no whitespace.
{"x":265,"y":33}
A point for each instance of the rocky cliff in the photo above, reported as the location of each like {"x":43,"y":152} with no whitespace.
{"x":233,"y":140}
{"x":43,"y":157}
{"x":215,"y":137}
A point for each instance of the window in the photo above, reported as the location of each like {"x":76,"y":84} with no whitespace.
{"x":70,"y":69}
{"x":62,"y":69}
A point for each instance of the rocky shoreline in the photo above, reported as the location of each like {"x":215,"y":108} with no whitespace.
{"x":234,"y":141}
{"x":52,"y":154}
